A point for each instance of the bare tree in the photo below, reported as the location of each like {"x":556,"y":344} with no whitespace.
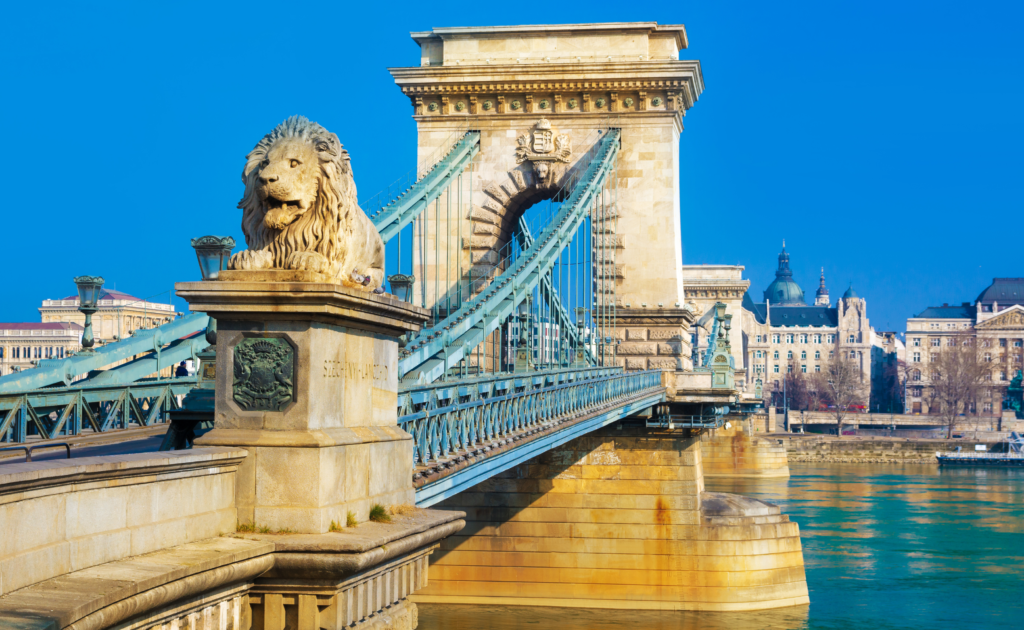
{"x":955,"y":378}
{"x":839,"y":385}
{"x":796,"y":387}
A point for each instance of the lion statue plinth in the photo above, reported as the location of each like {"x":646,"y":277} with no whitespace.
{"x":300,"y":210}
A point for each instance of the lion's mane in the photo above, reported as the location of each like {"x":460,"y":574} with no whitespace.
{"x":334,"y":227}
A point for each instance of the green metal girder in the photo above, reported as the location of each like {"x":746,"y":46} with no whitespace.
{"x":401,"y":212}
{"x":476,"y":319}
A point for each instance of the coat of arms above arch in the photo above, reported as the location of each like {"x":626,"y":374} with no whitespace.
{"x":541,"y":146}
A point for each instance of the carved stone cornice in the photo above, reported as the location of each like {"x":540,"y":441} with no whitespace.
{"x":683,"y":79}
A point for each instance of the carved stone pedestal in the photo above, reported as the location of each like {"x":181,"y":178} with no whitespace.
{"x":307,"y":383}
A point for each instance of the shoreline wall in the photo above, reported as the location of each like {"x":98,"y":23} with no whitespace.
{"x":869,"y":450}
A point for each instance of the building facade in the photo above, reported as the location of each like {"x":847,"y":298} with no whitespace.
{"x":782,"y":333}
{"x":22,"y":344}
{"x":118,"y":314}
{"x":994,"y":323}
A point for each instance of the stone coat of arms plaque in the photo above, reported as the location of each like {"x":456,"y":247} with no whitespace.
{"x":264,"y":369}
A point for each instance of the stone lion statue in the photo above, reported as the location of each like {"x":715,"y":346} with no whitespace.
{"x":299,"y":210}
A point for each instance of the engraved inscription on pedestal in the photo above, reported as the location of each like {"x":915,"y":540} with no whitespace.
{"x":264,"y":369}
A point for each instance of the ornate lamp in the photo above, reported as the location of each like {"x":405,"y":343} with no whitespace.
{"x":88,"y":295}
{"x":213,"y":253}
{"x":401,"y":286}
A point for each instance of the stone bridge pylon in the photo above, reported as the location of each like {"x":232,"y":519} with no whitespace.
{"x":541,"y":96}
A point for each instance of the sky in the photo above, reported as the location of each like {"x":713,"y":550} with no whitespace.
{"x":881,"y":140}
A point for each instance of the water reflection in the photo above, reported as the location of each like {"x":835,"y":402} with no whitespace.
{"x":885,"y":546}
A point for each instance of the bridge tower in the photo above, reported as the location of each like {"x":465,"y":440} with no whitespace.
{"x":541,"y":96}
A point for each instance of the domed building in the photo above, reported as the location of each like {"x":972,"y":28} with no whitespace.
{"x":784,"y":334}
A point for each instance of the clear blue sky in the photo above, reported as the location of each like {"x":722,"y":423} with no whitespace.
{"x":882,"y":140}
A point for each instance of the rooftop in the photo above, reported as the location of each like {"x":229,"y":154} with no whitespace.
{"x":963,"y":311}
{"x":1004,"y":291}
{"x":804,"y":316}
{"x":109,"y":294}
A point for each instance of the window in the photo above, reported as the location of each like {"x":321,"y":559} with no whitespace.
{"x":831,"y":353}
{"x":853,"y":354}
{"x":936,"y":342}
{"x":988,"y":357}
{"x":951,"y":342}
{"x":803,"y":354}
{"x":1002,"y":343}
{"x":817,"y":338}
{"x":789,"y":338}
{"x":803,"y":338}
{"x":915,"y":391}
{"x":776,"y":354}
{"x":789,"y":368}
{"x":851,"y":339}
{"x":1002,"y":375}
{"x":831,"y":338}
{"x":817,"y":368}
{"x":1017,"y":343}
{"x":759,"y":339}
{"x":758,"y":354}
{"x":917,"y":357}
{"x":915,"y":375}
{"x":817,"y":355}
{"x":789,"y":355}
{"x":917,"y":341}
{"x":775,"y":338}
{"x":985,"y":343}
{"x":933,"y":357}
{"x":986,"y":408}
{"x":950,"y":326}
{"x":776,"y":371}
{"x":803,"y":368}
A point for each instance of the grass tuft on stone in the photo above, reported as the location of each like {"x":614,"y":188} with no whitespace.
{"x":350,"y":520}
{"x":402,"y":508}
{"x":334,"y":526}
{"x":379,"y":514}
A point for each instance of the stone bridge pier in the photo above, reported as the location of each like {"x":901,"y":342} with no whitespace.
{"x":617,"y":519}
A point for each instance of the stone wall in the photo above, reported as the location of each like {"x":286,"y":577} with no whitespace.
{"x":864,"y":450}
{"x":734,"y":452}
{"x":64,"y":516}
{"x":617,"y":519}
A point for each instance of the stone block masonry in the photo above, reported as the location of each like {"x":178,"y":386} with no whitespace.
{"x":617,"y":519}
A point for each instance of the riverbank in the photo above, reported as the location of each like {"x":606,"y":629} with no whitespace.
{"x":848,"y":449}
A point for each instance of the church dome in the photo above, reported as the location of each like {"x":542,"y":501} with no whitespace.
{"x":784,"y":291}
{"x":850,"y":293}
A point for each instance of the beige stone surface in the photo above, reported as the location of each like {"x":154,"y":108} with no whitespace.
{"x":335,"y":447}
{"x":617,"y":519}
{"x":736,"y":452}
{"x":68,"y":515}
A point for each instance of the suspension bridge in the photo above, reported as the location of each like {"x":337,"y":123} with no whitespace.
{"x":533,"y":372}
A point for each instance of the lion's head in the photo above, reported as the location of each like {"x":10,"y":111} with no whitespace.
{"x":300,"y":209}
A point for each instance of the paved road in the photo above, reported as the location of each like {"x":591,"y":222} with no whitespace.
{"x":142,"y":445}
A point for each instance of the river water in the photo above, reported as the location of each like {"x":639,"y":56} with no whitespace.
{"x":885,"y":547}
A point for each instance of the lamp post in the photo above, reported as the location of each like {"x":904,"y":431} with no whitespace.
{"x":401,"y":286}
{"x":213,"y":253}
{"x":523,"y":357}
{"x":88,"y":294}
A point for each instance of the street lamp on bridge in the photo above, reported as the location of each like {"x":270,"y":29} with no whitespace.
{"x":88,"y":295}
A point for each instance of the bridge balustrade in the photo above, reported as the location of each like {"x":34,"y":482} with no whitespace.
{"x":451,"y":419}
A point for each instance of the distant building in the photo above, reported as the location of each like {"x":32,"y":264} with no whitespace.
{"x":117,"y":317}
{"x":22,"y":344}
{"x":783,"y":333}
{"x":545,"y":341}
{"x":995,"y":321}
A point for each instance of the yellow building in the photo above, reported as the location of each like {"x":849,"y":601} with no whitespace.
{"x":118,"y":314}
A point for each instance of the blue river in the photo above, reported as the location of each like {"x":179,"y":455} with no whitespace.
{"x":885,"y":547}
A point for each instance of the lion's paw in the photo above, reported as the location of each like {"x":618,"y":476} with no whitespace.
{"x":308,"y":261}
{"x":251,"y":260}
